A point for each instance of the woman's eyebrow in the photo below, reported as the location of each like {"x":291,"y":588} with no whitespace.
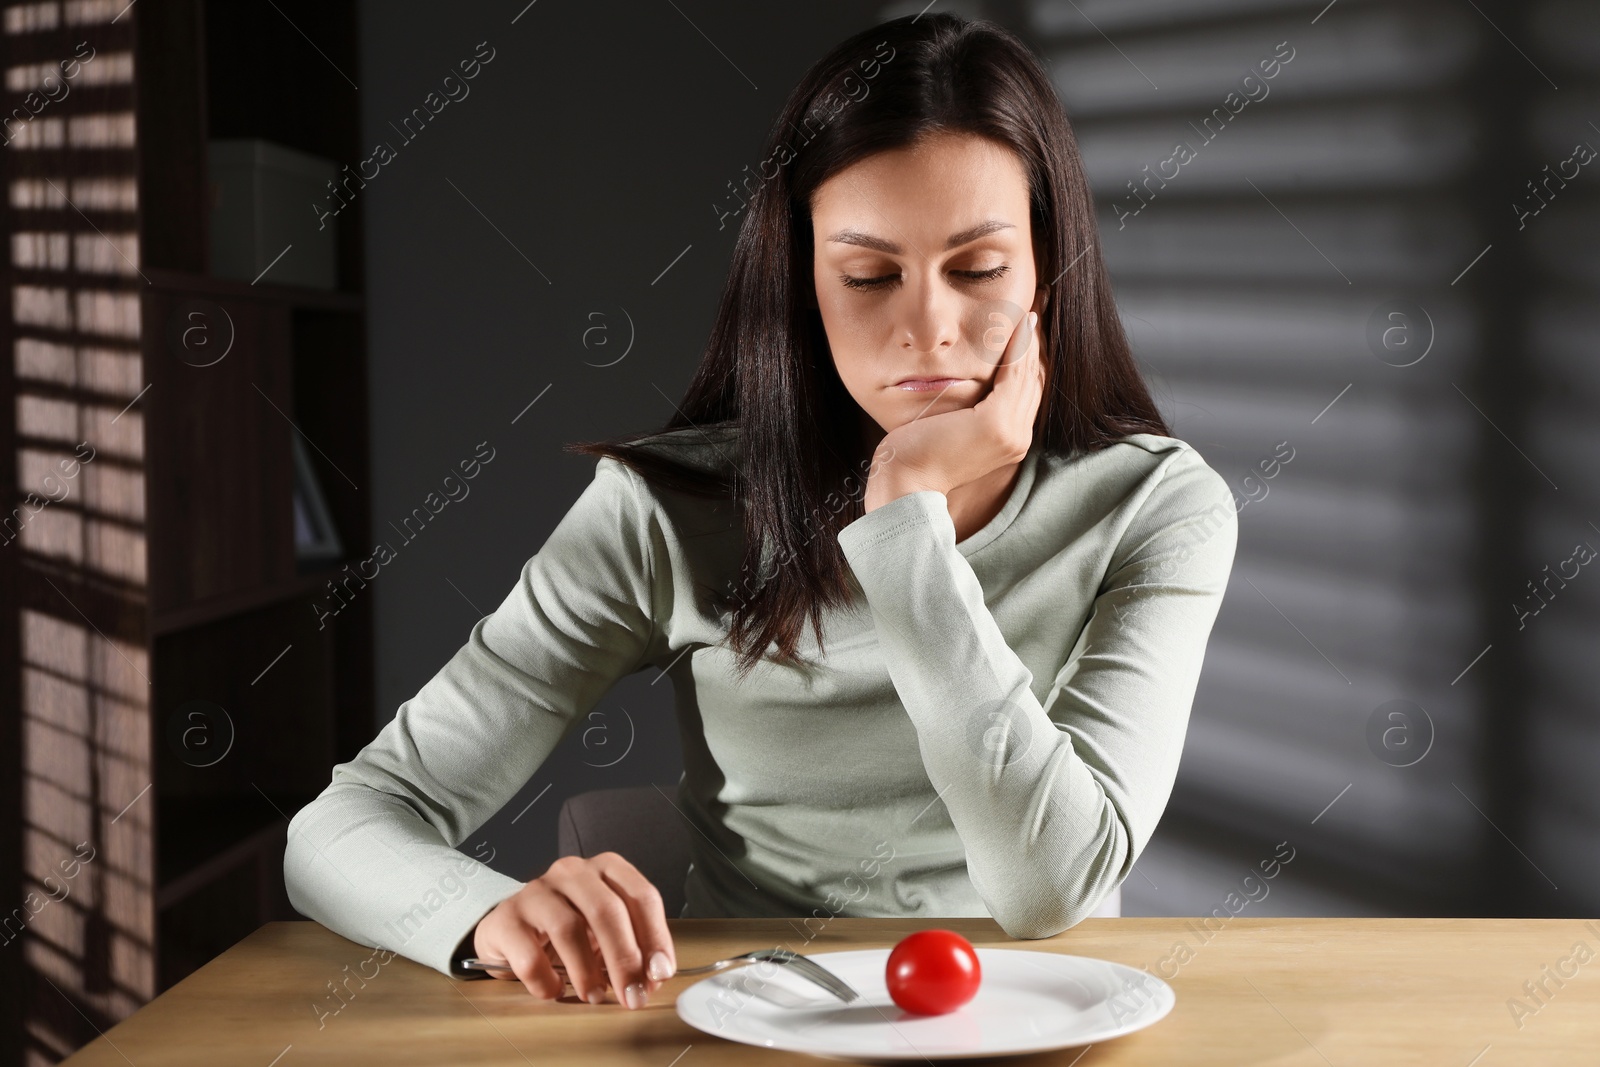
{"x":867,"y":240}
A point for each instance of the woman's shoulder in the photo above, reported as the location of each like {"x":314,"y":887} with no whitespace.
{"x":1149,"y":494}
{"x":681,"y":471}
{"x":1142,"y":464}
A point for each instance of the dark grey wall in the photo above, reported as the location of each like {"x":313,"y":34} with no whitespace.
{"x":1391,"y":567}
{"x":582,"y":163}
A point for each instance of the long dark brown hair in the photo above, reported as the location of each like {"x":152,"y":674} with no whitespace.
{"x":767,"y":372}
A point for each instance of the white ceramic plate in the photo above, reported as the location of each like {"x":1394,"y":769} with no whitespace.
{"x":1028,"y":1001}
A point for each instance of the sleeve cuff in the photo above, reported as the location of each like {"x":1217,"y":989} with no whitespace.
{"x":927,"y":508}
{"x":464,"y":950}
{"x":441,"y":942}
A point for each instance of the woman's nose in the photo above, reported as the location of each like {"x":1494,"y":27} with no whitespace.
{"x":929,"y":319}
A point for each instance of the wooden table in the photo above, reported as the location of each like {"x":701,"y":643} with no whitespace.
{"x":1319,"y":992}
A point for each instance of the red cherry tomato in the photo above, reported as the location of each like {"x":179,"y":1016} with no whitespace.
{"x":933,"y":972}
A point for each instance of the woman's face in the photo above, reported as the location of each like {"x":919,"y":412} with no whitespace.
{"x":924,"y":265}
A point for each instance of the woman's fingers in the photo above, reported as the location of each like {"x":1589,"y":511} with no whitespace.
{"x":648,"y":914}
{"x":570,"y":882}
{"x":597,"y":918}
{"x":1036,"y":364}
{"x":524,"y":951}
{"x":1025,"y":331}
{"x":1014,"y":396}
{"x":566,"y":929}
{"x":996,"y":402}
{"x":1016,"y":348}
{"x":610,"y":917}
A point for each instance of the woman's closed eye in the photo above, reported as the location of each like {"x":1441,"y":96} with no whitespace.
{"x":887,"y":280}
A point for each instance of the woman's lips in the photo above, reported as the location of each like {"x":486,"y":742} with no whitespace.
{"x":923,"y":385}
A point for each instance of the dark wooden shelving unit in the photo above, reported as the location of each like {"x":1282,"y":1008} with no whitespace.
{"x":204,"y":599}
{"x":232,"y":618}
{"x":296,"y":296}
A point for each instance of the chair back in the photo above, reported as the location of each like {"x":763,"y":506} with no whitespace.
{"x":638,"y":823}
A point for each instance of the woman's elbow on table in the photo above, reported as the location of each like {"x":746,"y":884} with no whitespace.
{"x":1053,"y":917}
{"x":311,"y":880}
{"x":1044,"y":902}
{"x":298,"y":854}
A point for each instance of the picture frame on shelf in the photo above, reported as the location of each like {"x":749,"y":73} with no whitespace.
{"x":316,"y":538}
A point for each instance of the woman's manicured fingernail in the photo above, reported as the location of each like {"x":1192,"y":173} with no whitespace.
{"x":660,"y":967}
{"x":1033,"y":317}
{"x":635,"y":996}
{"x":596,"y":996}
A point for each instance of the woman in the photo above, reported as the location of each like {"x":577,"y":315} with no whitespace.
{"x":1016,"y":566}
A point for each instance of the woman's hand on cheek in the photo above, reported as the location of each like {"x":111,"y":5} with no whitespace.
{"x":950,"y":449}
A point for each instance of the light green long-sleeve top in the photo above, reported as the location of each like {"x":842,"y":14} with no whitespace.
{"x":993,"y":728}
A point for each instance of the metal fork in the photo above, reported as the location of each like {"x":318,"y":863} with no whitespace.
{"x":803,"y":966}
